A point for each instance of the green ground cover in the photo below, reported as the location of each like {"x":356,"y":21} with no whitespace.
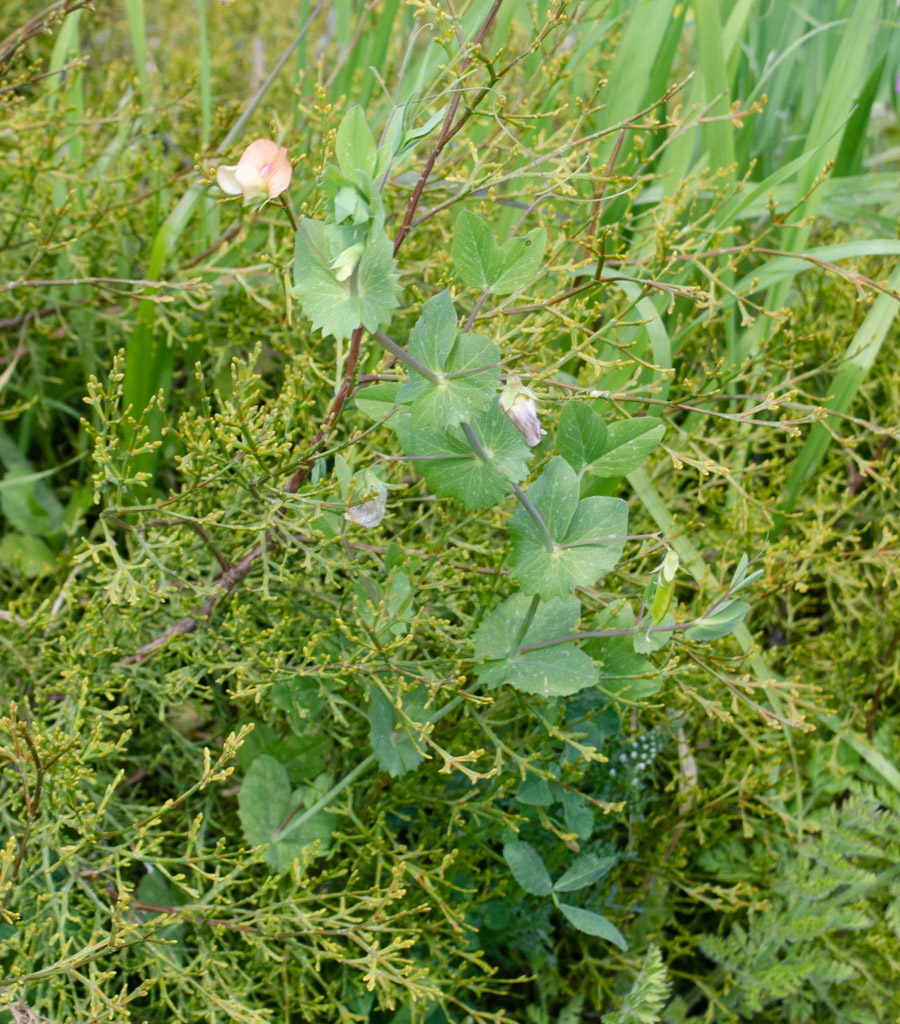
{"x":326,"y":693}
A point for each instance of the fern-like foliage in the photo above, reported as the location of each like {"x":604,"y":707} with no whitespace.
{"x":644,"y":1003}
{"x":795,"y":959}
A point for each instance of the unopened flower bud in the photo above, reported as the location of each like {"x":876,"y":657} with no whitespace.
{"x":262,"y":173}
{"x":518,"y":402}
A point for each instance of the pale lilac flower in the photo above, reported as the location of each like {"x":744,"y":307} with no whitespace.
{"x":518,"y":402}
{"x":262,"y":173}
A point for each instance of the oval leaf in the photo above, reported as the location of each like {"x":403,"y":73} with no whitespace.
{"x":528,"y":869}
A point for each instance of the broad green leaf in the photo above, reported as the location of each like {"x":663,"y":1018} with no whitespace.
{"x":484,"y":265}
{"x":651,"y":638}
{"x":549,"y":672}
{"x":620,"y":668}
{"x":435,"y":343}
{"x":338,"y":307}
{"x":588,"y":536}
{"x":27,"y":555}
{"x":264,"y":802}
{"x":452,"y":470}
{"x":584,"y":872}
{"x":387,"y":611}
{"x":304,"y":755}
{"x":553,"y":671}
{"x":577,"y":811}
{"x":377,"y":400}
{"x":431,"y":341}
{"x":29,"y":505}
{"x":528,"y":869}
{"x":593,"y":924}
{"x":581,"y":437}
{"x":501,"y":628}
{"x":354,"y":146}
{"x":535,"y":792}
{"x":395,"y":750}
{"x":628,"y":443}
{"x":723,"y":621}
{"x":467,"y":380}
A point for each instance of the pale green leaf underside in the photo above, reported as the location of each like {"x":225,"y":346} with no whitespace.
{"x":335,"y":307}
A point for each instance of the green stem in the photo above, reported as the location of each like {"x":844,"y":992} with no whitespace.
{"x":291,"y":824}
{"x":526,"y":624}
{"x":289,"y":210}
{"x":400,"y":352}
{"x":594,"y":634}
{"x":520,"y":494}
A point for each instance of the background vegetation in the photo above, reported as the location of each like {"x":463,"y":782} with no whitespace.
{"x":717,"y":181}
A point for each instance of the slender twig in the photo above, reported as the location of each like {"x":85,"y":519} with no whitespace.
{"x":448,"y":130}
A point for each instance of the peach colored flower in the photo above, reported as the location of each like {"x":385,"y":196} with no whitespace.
{"x":262,"y":173}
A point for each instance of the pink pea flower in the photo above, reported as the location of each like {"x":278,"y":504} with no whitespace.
{"x":262,"y":173}
{"x":518,"y":402}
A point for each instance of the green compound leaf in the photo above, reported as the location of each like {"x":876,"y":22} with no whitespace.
{"x":354,"y":146}
{"x":338,"y":307}
{"x":581,"y":437}
{"x":578,"y":529}
{"x":452,"y":470}
{"x":593,"y":924}
{"x":528,"y":869}
{"x":266,"y":799}
{"x":584,"y":872}
{"x":435,"y":343}
{"x":484,"y":265}
{"x":615,"y":656}
{"x":721,"y":622}
{"x":394,"y":748}
{"x":628,"y":443}
{"x":553,"y":671}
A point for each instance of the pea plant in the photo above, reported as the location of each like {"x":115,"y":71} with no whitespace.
{"x":462,"y":420}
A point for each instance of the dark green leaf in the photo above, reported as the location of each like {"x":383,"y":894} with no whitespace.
{"x":27,"y":555}
{"x":593,"y":924}
{"x":650,"y":639}
{"x":452,"y":470}
{"x":584,"y":872}
{"x":578,"y":529}
{"x":266,"y":799}
{"x":377,"y":400}
{"x":394,"y":748}
{"x":435,"y":344}
{"x":29,"y":505}
{"x":484,"y":265}
{"x":535,"y":792}
{"x":552,"y":671}
{"x":628,"y":443}
{"x":577,"y":811}
{"x":581,"y":437}
{"x":528,"y":869}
